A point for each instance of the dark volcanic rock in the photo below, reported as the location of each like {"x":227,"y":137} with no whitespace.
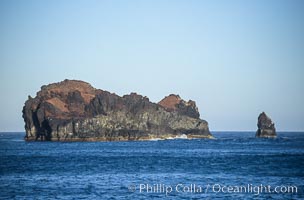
{"x":75,"y":111}
{"x":266,"y":127}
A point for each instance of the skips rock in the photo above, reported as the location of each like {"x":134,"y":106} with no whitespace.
{"x":73,"y":110}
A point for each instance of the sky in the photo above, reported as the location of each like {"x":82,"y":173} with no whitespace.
{"x":234,"y":58}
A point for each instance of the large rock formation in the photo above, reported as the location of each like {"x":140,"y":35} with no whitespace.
{"x":266,"y":127}
{"x":75,"y":111}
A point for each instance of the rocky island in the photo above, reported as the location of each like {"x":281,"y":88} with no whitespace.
{"x":266,"y":127}
{"x":73,"y":110}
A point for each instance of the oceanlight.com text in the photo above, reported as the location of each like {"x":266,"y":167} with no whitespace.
{"x":167,"y":189}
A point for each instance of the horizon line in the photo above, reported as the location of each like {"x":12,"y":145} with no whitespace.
{"x":278,"y":131}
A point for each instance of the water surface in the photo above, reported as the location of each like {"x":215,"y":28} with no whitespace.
{"x":147,"y":170}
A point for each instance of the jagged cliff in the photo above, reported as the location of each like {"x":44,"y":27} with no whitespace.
{"x":266,"y":127}
{"x":75,"y":111}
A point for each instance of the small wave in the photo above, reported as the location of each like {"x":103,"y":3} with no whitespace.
{"x":11,"y":140}
{"x":183,"y":136}
{"x":156,"y":139}
{"x":17,"y":140}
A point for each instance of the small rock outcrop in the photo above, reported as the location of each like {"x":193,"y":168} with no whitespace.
{"x":73,"y":110}
{"x":266,"y":127}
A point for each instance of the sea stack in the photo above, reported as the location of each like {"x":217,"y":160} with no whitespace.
{"x":73,"y":110}
{"x":266,"y":127}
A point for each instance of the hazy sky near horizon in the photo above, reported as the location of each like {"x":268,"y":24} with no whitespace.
{"x":234,"y":58}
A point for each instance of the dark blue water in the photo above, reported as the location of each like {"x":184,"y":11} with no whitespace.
{"x":153,"y":169}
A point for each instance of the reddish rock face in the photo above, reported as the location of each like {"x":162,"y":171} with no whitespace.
{"x":175,"y":103}
{"x":74,"y":110}
{"x":67,"y":98}
{"x":170,"y":102}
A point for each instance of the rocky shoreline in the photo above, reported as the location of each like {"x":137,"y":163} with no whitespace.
{"x":73,"y":110}
{"x":104,"y":139}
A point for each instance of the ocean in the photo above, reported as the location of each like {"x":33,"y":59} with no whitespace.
{"x":235,"y":165}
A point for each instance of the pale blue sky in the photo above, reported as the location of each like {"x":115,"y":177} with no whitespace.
{"x":234,"y":58}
